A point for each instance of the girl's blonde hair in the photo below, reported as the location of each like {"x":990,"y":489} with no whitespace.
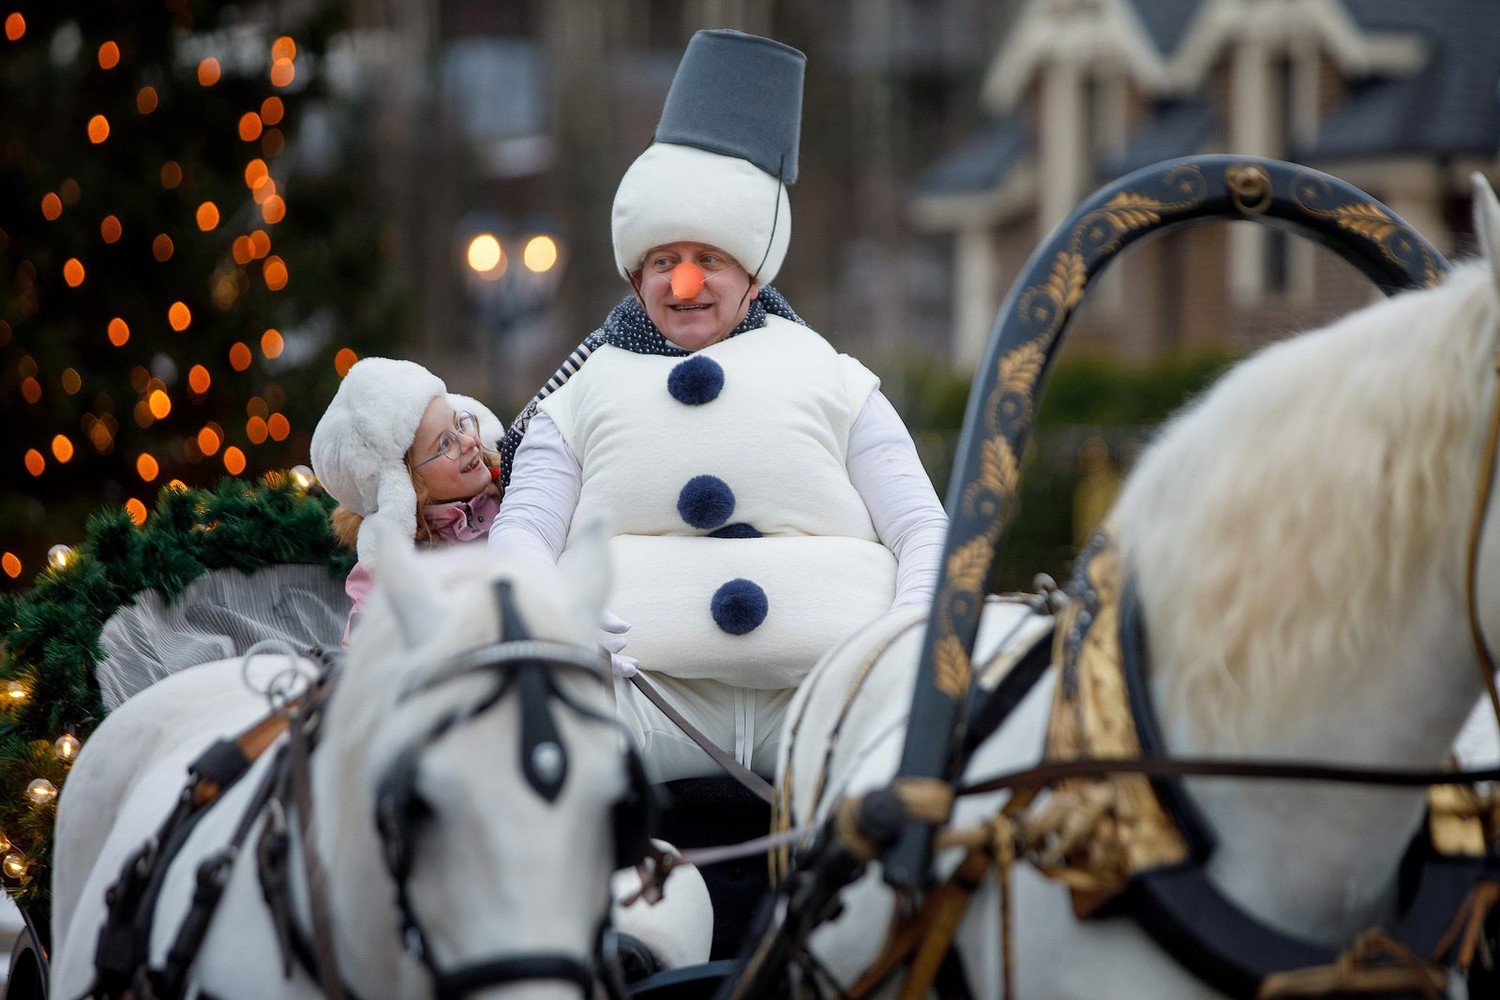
{"x":345,"y":522}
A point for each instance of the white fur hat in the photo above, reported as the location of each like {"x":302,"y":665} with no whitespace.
{"x":359,"y":446}
{"x":674,"y":192}
{"x":725,"y":150}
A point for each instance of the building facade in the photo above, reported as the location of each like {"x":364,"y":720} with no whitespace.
{"x":1398,"y":98}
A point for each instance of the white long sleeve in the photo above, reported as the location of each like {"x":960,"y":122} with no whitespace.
{"x":908,"y":517}
{"x":538,"y":506}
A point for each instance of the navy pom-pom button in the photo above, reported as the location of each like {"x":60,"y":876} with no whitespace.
{"x":696,"y":381}
{"x":739,"y":606}
{"x":705,"y":502}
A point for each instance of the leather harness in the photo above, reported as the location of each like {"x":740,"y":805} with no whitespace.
{"x":122,"y":958}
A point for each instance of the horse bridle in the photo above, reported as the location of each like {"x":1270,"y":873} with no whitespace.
{"x":526,"y":666}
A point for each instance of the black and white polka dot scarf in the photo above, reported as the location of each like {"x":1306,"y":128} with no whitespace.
{"x":629,"y":328}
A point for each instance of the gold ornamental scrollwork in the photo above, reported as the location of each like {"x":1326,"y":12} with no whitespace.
{"x":952,"y":668}
{"x":1097,"y":235}
{"x":968,"y":565}
{"x":1368,"y":220}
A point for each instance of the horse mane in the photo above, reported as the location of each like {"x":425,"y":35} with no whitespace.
{"x":1282,"y":530}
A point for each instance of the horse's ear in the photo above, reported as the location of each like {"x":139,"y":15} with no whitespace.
{"x":586,"y":570}
{"x":1487,"y":224}
{"x":407,"y":592}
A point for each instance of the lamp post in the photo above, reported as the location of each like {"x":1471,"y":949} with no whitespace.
{"x":512,"y":278}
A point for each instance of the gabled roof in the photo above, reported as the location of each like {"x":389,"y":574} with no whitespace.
{"x":981,"y":162}
{"x":1166,"y":21}
{"x":1451,"y":106}
{"x":1424,"y":78}
{"x":1175,"y":128}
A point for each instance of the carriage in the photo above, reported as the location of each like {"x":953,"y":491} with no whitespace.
{"x":919,"y":832}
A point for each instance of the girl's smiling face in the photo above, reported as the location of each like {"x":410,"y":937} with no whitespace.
{"x":717,"y":306}
{"x":446,"y":455}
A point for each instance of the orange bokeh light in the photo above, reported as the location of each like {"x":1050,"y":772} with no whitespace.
{"x":209,"y":72}
{"x":180,"y":316}
{"x":255,"y":430}
{"x":35,"y":463}
{"x":243,"y":250}
{"x":250,"y":126}
{"x":263,"y":189}
{"x":275,"y":273}
{"x":208,"y":441}
{"x":11,"y":563}
{"x":274,"y":209}
{"x":146,"y":467}
{"x":278,"y":426}
{"x":272,"y":110}
{"x":161,"y":247}
{"x":344,"y":360}
{"x":199,"y":379}
{"x":208,"y":216}
{"x":62,"y":448}
{"x":119,"y":332}
{"x":109,"y":55}
{"x":171,"y":174}
{"x":160,"y":403}
{"x":98,"y":129}
{"x":73,"y":272}
{"x":15,"y":27}
{"x":110,"y":228}
{"x":146,"y":100}
{"x":271,"y":343}
{"x":31,"y":389}
{"x":234,"y":460}
{"x":136,"y":510}
{"x":239,"y":356}
{"x":260,"y":244}
{"x":51,"y":206}
{"x":284,"y":48}
{"x":283,"y":73}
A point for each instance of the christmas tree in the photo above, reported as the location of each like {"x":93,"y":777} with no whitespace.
{"x":182,"y":282}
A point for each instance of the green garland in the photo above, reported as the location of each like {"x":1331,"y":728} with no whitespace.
{"x":50,"y":641}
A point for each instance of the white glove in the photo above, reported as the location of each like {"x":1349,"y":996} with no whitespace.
{"x":620,"y":664}
{"x":613,"y":623}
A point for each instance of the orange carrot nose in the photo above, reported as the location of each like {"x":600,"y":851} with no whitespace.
{"x":687,"y":280}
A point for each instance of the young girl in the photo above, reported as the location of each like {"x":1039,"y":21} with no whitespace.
{"x":395,"y":447}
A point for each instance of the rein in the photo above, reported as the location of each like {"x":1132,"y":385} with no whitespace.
{"x":1040,"y":775}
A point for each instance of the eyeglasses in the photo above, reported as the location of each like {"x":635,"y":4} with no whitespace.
{"x":450,"y":445}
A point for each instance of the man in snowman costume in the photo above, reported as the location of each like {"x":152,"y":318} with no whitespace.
{"x":766,"y":499}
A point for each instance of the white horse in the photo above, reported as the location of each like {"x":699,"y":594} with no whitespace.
{"x":500,"y":861}
{"x":1298,"y":538}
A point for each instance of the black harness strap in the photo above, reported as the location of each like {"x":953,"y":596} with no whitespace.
{"x":990,"y":712}
{"x":123,"y":948}
{"x":170,"y":981}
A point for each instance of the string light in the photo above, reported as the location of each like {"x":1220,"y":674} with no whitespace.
{"x":14,"y":866}
{"x":65,"y":749}
{"x":5,"y":843}
{"x":303,"y":478}
{"x":15,"y":692}
{"x":41,"y":791}
{"x":59,"y":556}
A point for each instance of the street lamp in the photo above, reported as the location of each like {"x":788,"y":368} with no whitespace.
{"x":511,"y":276}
